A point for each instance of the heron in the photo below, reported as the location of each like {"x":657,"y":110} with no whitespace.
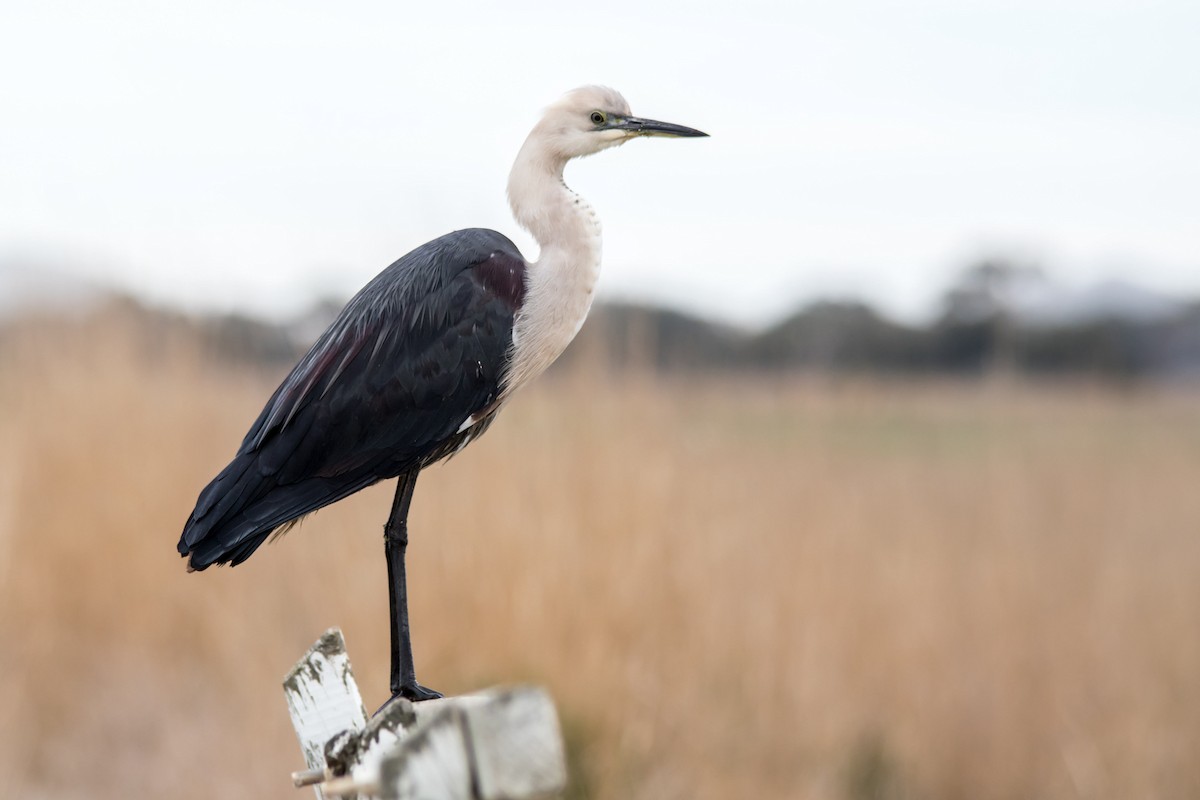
{"x":418,"y":364}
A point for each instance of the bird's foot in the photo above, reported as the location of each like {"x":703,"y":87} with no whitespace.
{"x":416,"y":692}
{"x":413,"y":693}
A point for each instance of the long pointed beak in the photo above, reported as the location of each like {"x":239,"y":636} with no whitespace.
{"x":652,"y":127}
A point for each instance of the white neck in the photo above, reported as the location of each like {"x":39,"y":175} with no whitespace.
{"x":560,"y":284}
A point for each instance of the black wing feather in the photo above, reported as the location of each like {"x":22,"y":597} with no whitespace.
{"x":383,"y":391}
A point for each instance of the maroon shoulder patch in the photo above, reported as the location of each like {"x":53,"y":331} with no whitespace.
{"x":503,"y":276}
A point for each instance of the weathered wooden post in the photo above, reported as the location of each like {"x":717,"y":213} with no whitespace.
{"x":500,"y":744}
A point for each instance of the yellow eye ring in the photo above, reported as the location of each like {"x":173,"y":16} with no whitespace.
{"x":598,"y":118}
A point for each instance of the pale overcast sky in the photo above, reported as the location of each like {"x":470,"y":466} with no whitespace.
{"x":251,"y":155}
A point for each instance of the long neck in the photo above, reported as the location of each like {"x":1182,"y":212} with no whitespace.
{"x":560,"y":284}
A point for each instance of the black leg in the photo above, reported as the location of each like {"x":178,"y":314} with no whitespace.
{"x":395,"y":538}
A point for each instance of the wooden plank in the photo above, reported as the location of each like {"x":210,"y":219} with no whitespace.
{"x":497,"y":745}
{"x":431,"y":763}
{"x":502,"y":744}
{"x":377,"y":740}
{"x":323,"y":698}
{"x":517,"y":745}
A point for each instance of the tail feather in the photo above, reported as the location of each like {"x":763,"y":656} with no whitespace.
{"x":250,"y":507}
{"x":224,"y":496}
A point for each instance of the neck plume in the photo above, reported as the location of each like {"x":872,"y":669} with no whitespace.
{"x":561,"y":283}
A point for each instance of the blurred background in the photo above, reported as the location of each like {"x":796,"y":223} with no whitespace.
{"x":873,"y":474}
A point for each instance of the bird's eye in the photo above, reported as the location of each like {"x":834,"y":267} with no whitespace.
{"x":598,"y":118}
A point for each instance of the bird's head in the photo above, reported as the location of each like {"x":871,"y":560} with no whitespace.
{"x":593,"y":118}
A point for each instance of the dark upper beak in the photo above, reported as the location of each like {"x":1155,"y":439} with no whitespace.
{"x":652,"y":127}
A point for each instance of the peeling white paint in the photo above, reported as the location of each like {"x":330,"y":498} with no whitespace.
{"x":501,"y":744}
{"x":323,"y":697}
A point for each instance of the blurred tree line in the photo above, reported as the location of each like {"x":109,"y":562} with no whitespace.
{"x":984,"y":326}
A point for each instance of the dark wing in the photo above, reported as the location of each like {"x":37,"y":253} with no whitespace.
{"x":386,"y":389}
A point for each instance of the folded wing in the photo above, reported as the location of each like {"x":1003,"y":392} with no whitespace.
{"x":385,"y":390}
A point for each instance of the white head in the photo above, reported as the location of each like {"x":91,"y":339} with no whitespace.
{"x":584,"y":121}
{"x":593,"y":118}
{"x":561,"y":283}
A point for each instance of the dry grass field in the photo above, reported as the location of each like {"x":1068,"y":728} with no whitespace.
{"x":773,"y":589}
